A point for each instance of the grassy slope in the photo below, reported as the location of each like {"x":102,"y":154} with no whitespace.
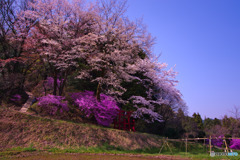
{"x":17,"y":129}
{"x":21,"y":133}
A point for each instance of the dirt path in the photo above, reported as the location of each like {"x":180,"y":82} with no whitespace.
{"x":28,"y":103}
{"x":97,"y":156}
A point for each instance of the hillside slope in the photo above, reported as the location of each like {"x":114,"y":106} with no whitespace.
{"x":18,"y":129}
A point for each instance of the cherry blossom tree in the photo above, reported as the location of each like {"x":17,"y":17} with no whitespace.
{"x":113,"y":49}
{"x":58,"y":36}
{"x":14,"y":64}
{"x":114,"y":57}
{"x":160,"y":84}
{"x":115,"y":44}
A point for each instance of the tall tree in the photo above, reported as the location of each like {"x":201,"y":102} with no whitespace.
{"x":59,"y":36}
{"x":198,"y":119}
{"x":14,"y":63}
{"x":114,"y":48}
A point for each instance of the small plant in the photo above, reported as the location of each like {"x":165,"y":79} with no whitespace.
{"x":29,"y":149}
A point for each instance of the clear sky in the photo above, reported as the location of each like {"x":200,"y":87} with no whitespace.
{"x":202,"y":37}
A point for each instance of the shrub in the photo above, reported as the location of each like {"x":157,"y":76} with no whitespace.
{"x":52,"y":104}
{"x":216,"y":142}
{"x":235,"y":144}
{"x":104,"y":110}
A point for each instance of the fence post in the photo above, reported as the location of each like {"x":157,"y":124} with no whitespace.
{"x":210,"y":144}
{"x":204,"y":145}
{"x":186,"y":145}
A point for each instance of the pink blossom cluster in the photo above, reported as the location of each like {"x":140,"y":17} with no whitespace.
{"x":52,"y":104}
{"x":105,"y":110}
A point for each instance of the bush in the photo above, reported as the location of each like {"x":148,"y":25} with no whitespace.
{"x":216,"y":142}
{"x":235,"y":144}
{"x":104,"y":111}
{"x":52,"y":104}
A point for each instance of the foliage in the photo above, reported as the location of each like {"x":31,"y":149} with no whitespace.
{"x":209,"y":123}
{"x":15,"y":61}
{"x":58,"y":37}
{"x":216,"y":141}
{"x":197,"y":118}
{"x":232,"y":125}
{"x":104,"y":110}
{"x":235,"y":144}
{"x":52,"y":104}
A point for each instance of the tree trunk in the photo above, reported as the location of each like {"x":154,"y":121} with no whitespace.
{"x":98,"y":91}
{"x":61,"y":86}
{"x":44,"y":87}
{"x":55,"y":84}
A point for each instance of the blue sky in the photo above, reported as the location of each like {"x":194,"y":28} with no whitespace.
{"x":202,"y":37}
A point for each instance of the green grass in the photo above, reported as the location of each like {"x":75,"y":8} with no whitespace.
{"x":16,"y":151}
{"x":195,"y":151}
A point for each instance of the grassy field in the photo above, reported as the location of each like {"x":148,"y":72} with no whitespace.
{"x":195,"y":151}
{"x":25,"y":136}
{"x":103,"y":153}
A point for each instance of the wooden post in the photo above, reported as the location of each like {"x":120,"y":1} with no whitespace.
{"x":225,"y":143}
{"x":162,"y":145}
{"x":186,"y":145}
{"x":204,"y":144}
{"x":210,"y":144}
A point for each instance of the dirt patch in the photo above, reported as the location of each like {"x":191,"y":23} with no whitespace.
{"x":84,"y":156}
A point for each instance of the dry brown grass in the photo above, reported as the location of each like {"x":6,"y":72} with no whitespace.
{"x":18,"y":129}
